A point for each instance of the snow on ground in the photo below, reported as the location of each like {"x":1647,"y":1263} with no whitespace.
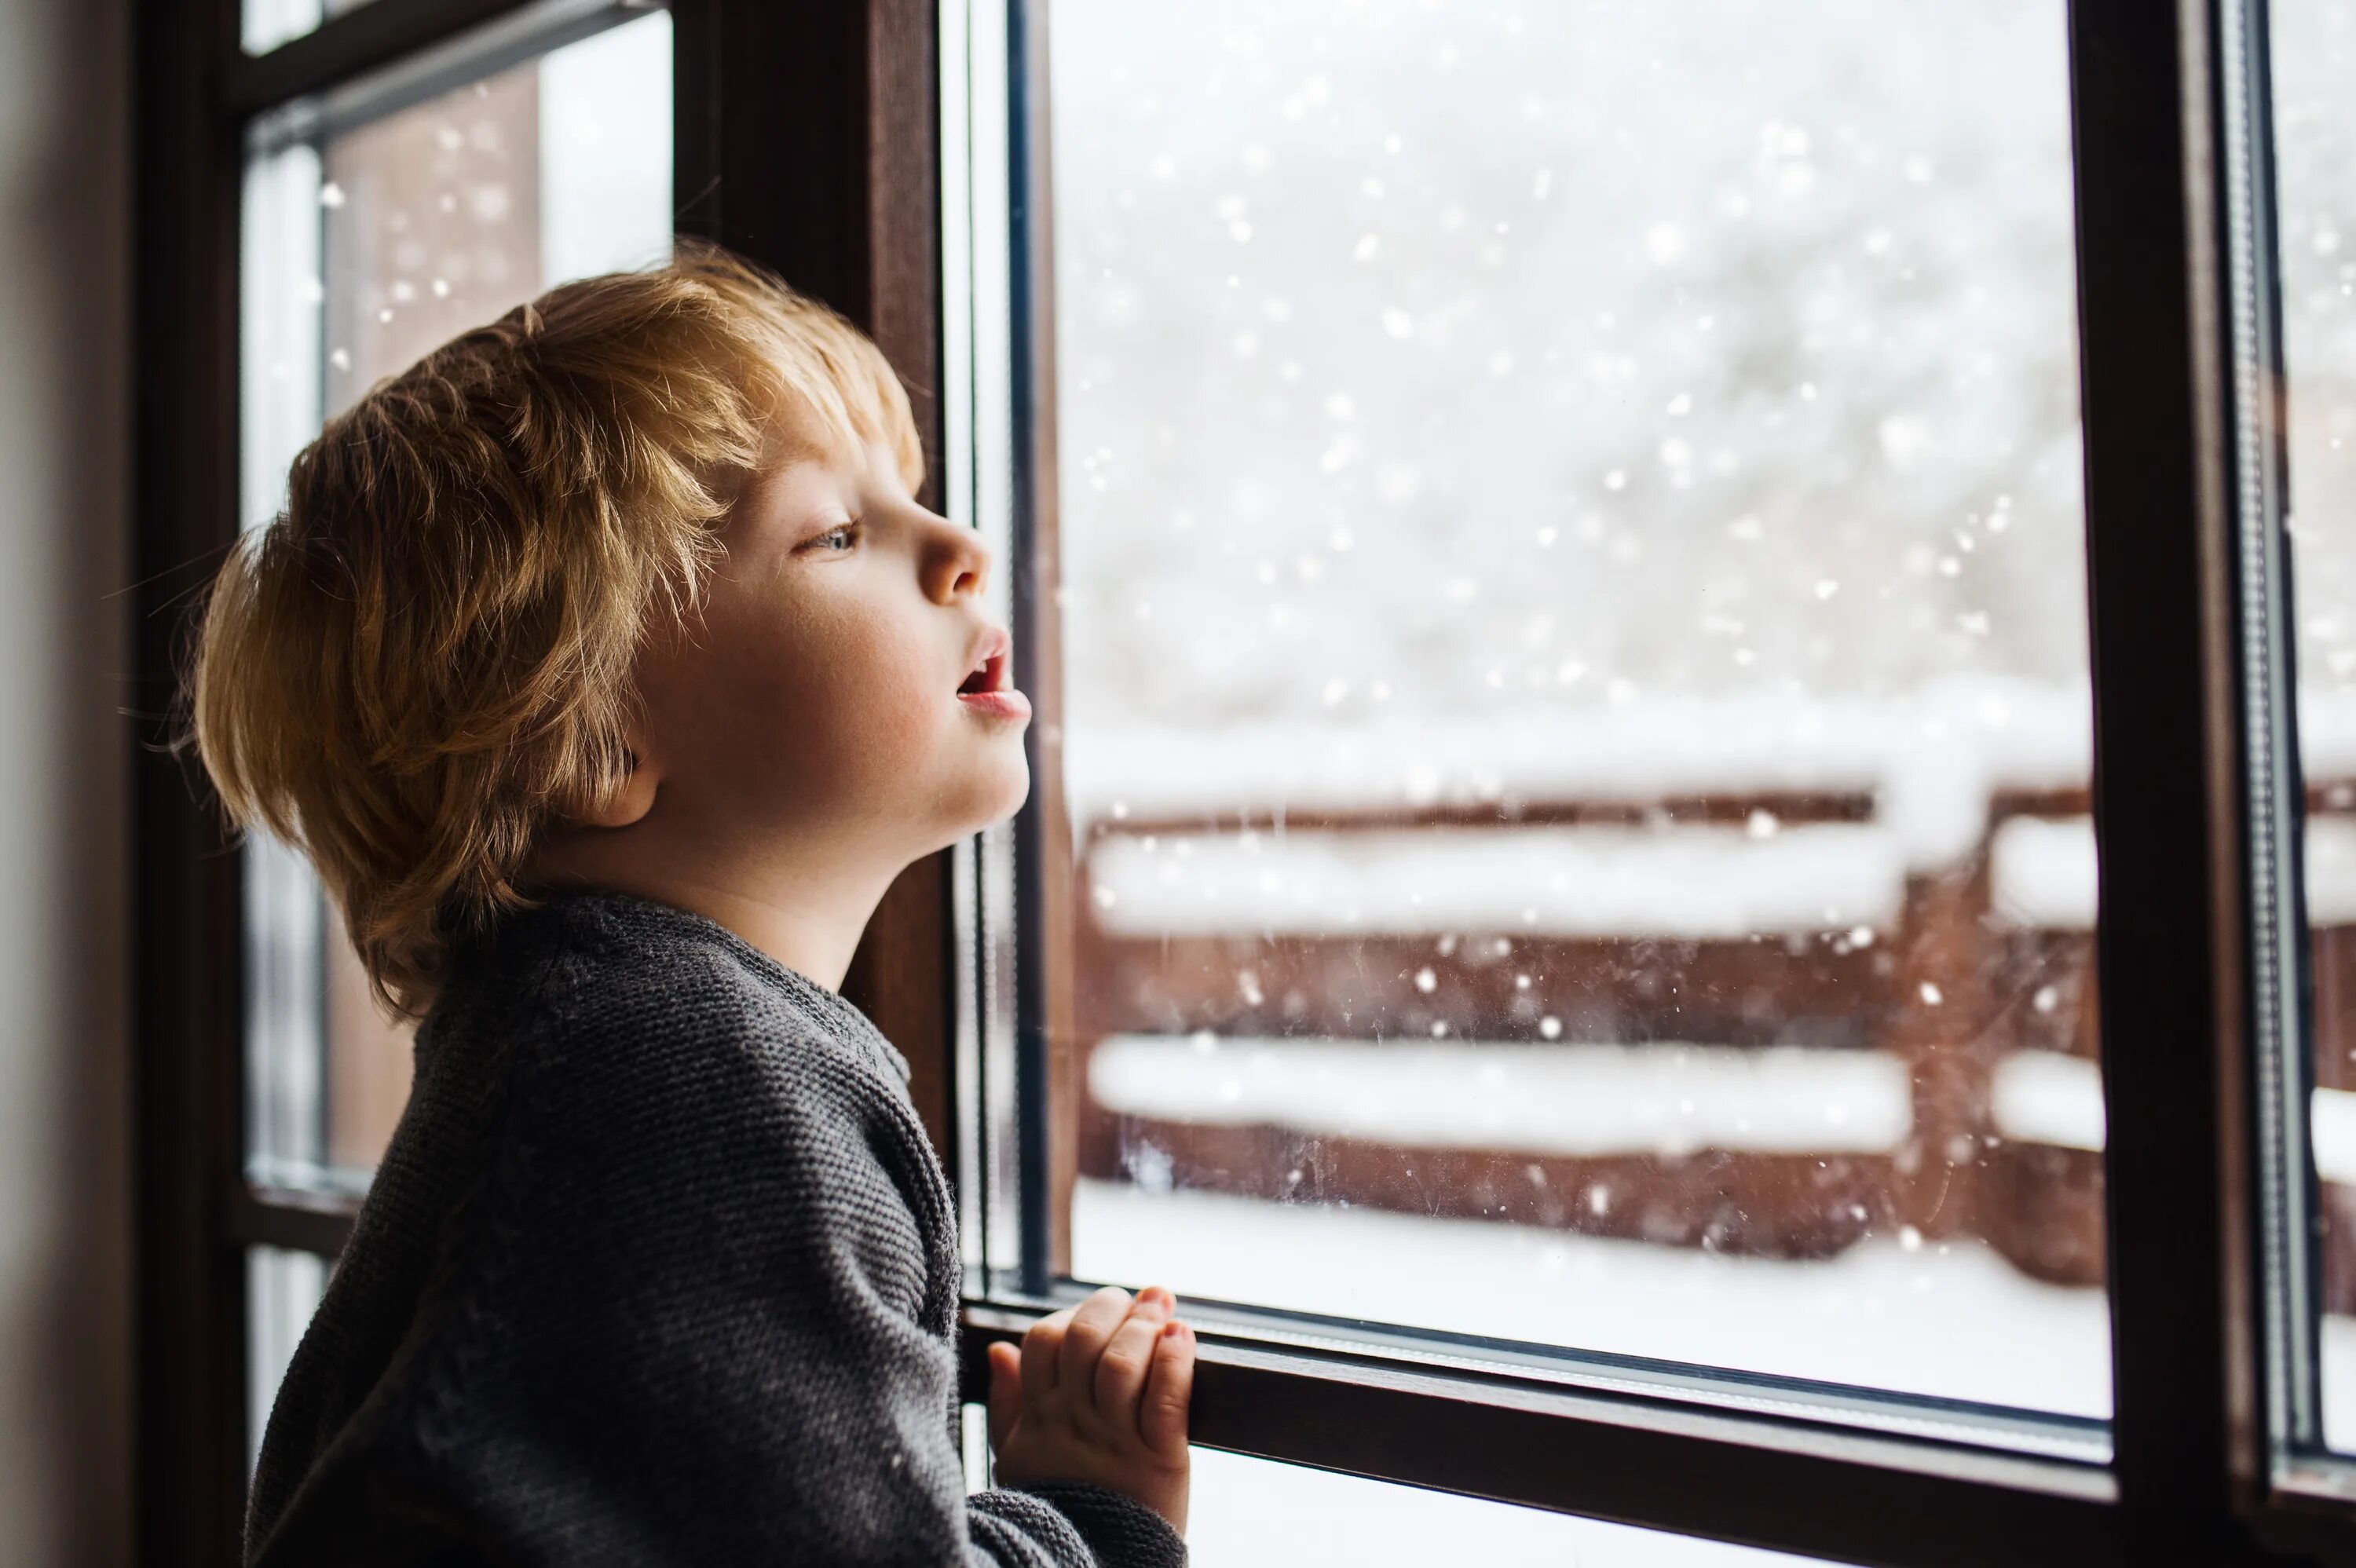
{"x":1946,"y":1319}
{"x":1657,"y":1098}
{"x":1938,"y":1320}
{"x":1952,"y":1320}
{"x":1698,"y":882}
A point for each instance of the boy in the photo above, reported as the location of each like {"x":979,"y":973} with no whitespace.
{"x":605,"y":668}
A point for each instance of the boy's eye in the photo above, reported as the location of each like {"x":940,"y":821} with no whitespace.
{"x":834,"y":540}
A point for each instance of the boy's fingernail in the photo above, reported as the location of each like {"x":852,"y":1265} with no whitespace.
{"x":1172,"y":1329}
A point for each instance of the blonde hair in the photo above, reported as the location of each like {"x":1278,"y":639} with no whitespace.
{"x":426,"y":659}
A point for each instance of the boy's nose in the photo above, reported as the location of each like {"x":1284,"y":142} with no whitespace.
{"x":957,"y":564}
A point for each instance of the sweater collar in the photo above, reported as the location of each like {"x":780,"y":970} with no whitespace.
{"x":633,"y":911}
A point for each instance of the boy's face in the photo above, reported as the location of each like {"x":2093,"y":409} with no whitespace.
{"x":813,"y":720}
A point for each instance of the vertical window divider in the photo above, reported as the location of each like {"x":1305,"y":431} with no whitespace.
{"x":2178,"y":970}
{"x":1043,"y":1185}
{"x":2281,"y":1199}
{"x":185,"y":956}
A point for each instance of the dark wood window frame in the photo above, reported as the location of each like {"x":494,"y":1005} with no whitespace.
{"x":854,"y":216}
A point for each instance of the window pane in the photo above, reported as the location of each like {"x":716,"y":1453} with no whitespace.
{"x":1252,"y":1513}
{"x":364,"y":249}
{"x":1255,"y":1513}
{"x":2313,"y":48}
{"x":282,"y":1291}
{"x":266,"y":23}
{"x":1572,"y":723}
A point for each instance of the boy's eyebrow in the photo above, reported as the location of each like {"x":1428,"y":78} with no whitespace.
{"x":792,"y":442}
{"x":797,"y":446}
{"x":786,"y":450}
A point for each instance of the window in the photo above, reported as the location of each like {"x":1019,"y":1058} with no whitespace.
{"x":375,"y":227}
{"x":1657,"y":875}
{"x":1567,"y":558}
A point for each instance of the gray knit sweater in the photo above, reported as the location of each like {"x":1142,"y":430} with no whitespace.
{"x":660,"y":1268}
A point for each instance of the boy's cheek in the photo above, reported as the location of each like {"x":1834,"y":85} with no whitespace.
{"x":851,"y":718}
{"x":874,"y":743}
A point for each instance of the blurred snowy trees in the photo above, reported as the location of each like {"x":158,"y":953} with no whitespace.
{"x":2313,"y":62}
{"x":1423,"y":359}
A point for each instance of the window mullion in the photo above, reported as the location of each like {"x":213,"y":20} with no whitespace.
{"x":190,"y":1302}
{"x":360,"y":41}
{"x":2172,"y":940}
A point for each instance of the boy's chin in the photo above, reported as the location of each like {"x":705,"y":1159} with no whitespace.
{"x":1009,"y":798}
{"x":992,"y":813}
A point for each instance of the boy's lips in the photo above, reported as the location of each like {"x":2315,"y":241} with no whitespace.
{"x":1007,"y":704}
{"x":985,"y":689}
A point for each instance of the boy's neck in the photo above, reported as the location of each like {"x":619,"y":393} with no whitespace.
{"x":812,"y":924}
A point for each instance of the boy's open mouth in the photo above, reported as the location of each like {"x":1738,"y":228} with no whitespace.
{"x":988,"y":673}
{"x":984,"y":689}
{"x":991,"y":676}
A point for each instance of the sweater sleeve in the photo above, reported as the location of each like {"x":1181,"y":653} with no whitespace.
{"x":702,"y":1326}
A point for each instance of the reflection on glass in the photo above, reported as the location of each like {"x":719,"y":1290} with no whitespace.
{"x":1574,"y":721}
{"x":2313,"y":48}
{"x":362,"y":251}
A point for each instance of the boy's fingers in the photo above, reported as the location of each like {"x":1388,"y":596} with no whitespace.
{"x":1005,"y":1391}
{"x":1092,"y":1322}
{"x":1120,"y":1371}
{"x":1042,"y":1347}
{"x":1169,"y":1386}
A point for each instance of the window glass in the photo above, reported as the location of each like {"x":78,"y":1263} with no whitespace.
{"x":266,"y":23}
{"x":2312,"y":52}
{"x":1566,"y":779}
{"x":364,"y":247}
{"x":1252,"y":1513}
{"x":282,"y":1291}
{"x":1246,"y":1513}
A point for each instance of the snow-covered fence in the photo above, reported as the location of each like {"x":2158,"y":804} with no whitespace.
{"x":1738,"y":1022}
{"x":1568,"y":979}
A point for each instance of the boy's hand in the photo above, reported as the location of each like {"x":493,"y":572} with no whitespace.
{"x":1099,"y":1393}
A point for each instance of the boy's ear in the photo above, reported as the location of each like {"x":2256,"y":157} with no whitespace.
{"x":633,"y":800}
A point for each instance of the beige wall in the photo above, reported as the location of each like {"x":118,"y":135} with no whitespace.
{"x":65,"y":1332}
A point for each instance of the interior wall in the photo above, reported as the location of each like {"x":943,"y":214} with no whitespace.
{"x":65,"y":1321}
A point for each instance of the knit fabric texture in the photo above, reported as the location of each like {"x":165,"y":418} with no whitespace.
{"x":659,"y":1268}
